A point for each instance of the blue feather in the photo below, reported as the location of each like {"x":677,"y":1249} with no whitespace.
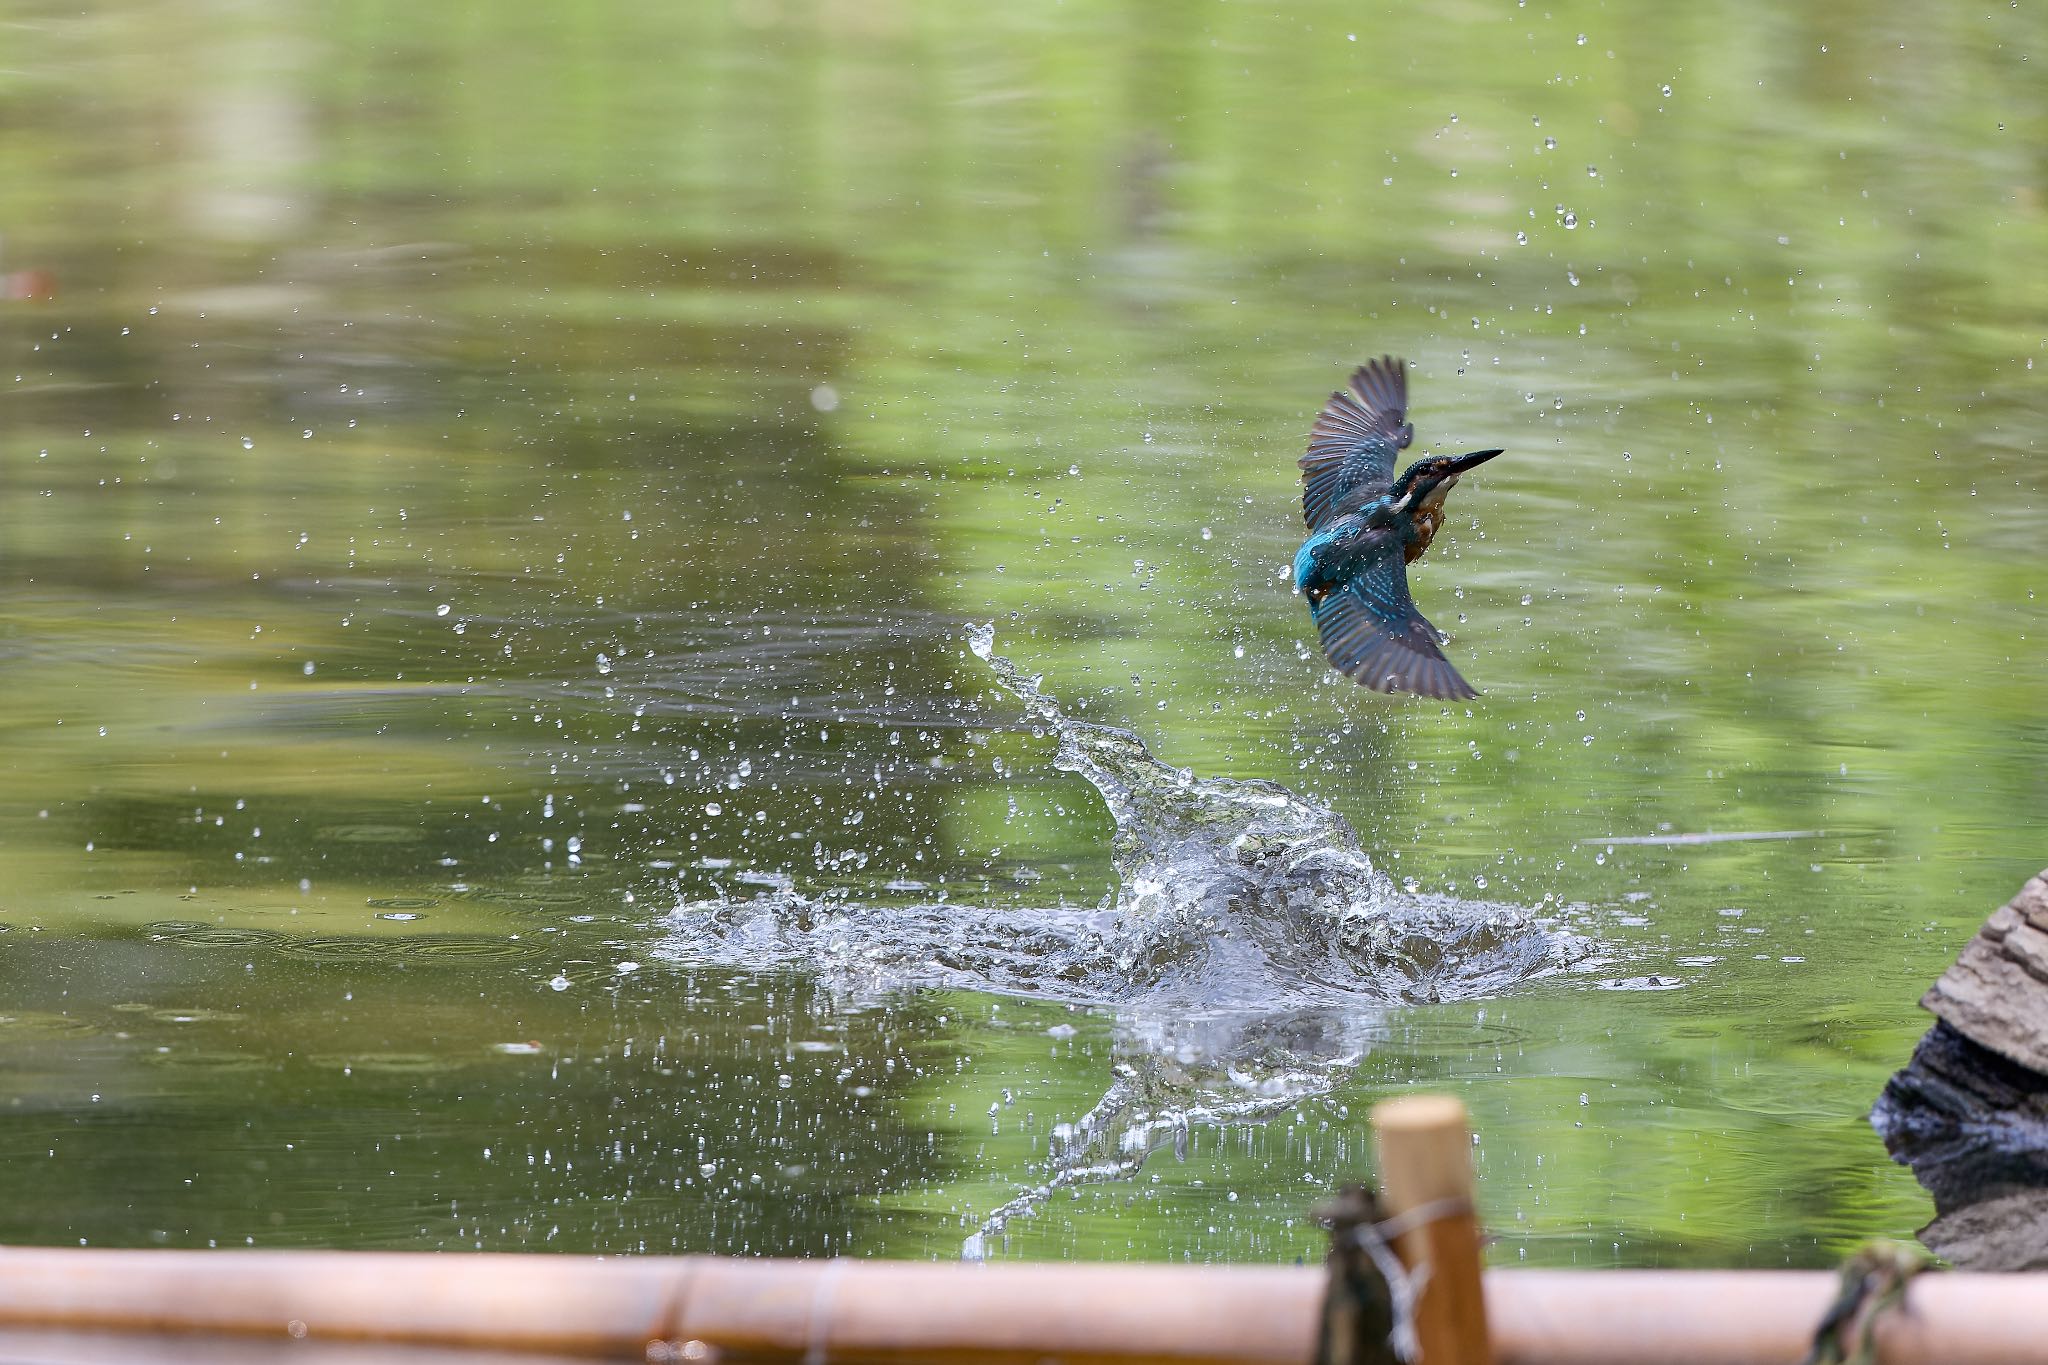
{"x":1368,"y":624}
{"x":1305,"y":574}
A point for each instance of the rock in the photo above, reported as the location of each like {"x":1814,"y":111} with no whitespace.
{"x":1969,"y":1113}
{"x":1965,"y":1119}
{"x":1996,"y":994}
{"x":2009,"y":1232}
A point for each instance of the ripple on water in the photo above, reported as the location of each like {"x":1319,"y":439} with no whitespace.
{"x":468,"y":946}
{"x":549,"y":897}
{"x":369,"y":834}
{"x":210,"y":1059}
{"x":1652,"y":982}
{"x":383,"y":1063}
{"x":1446,"y":1036}
{"x":340,"y":948}
{"x":188,"y":934}
{"x":172,"y":1014}
{"x":44,"y":1024}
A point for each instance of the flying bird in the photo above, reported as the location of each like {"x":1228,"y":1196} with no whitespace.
{"x":1366,"y":527}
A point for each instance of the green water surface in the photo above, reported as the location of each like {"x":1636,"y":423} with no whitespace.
{"x":488,"y":474}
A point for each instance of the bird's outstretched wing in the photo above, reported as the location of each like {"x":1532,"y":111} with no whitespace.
{"x":1358,"y":433}
{"x":1373,"y":634}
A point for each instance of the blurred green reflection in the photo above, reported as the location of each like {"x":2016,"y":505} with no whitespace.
{"x":524,"y":469}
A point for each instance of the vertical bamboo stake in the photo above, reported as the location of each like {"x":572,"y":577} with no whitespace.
{"x":1425,"y":1158}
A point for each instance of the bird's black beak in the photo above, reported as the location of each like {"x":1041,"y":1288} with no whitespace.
{"x":1476,"y":458}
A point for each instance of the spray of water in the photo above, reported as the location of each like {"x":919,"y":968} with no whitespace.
{"x":1231,"y":895}
{"x":1250,"y":952}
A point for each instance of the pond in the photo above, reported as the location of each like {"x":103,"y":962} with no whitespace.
{"x":496,"y":502}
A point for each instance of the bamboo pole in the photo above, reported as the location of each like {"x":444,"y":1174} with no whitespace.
{"x":693,"y":1307}
{"x":1749,"y":1317}
{"x":700,"y":1309}
{"x":1425,"y":1170}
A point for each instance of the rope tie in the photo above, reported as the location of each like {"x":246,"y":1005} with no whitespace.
{"x":1369,"y":1307}
{"x":1873,"y":1284}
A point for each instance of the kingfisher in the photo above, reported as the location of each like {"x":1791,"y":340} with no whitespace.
{"x":1366,"y":527}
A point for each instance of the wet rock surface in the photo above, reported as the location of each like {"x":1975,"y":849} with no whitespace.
{"x":1996,"y":994}
{"x":1969,"y":1113}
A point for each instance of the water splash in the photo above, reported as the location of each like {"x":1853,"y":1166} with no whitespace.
{"x":1229,"y":895}
{"x":1251,"y":952}
{"x":1245,"y":893}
